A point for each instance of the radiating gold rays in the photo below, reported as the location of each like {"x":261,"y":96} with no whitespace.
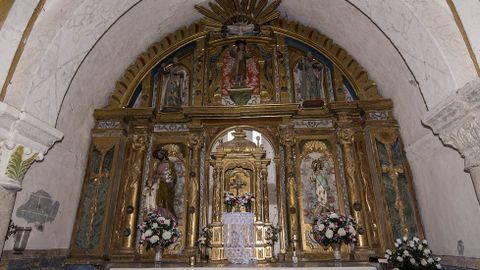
{"x":229,"y":12}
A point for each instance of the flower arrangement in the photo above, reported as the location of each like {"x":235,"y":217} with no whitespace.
{"x":231,"y":201}
{"x":205,"y":237}
{"x":158,"y":231}
{"x":204,"y":241}
{"x":412,"y":254}
{"x":331,"y":228}
{"x":271,"y":234}
{"x":247,"y":200}
{"x":11,"y":230}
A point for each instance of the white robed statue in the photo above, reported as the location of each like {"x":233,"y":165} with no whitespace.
{"x":319,"y":177}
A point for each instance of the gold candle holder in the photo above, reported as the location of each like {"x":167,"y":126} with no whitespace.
{"x":192,"y":261}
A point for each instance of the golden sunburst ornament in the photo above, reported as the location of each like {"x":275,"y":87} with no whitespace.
{"x":239,"y":17}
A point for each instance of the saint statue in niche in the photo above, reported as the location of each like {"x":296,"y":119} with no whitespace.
{"x":174,"y":86}
{"x":160,"y":190}
{"x":239,"y":69}
{"x":322,"y":189}
{"x":309,"y":78}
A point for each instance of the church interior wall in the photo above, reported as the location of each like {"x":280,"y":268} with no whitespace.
{"x":469,"y":15}
{"x":431,"y":74}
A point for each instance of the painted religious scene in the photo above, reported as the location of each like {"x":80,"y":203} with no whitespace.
{"x":238,"y":141}
{"x":319,"y":191}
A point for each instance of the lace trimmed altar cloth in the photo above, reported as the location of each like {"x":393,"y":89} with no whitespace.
{"x":238,"y":237}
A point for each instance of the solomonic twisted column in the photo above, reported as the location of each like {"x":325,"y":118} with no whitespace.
{"x":23,"y":140}
{"x":456,"y":121}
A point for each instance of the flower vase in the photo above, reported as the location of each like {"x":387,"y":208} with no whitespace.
{"x":229,"y":208}
{"x":337,"y":254}
{"x":352,"y":251}
{"x":158,"y":253}
{"x":248,"y":207}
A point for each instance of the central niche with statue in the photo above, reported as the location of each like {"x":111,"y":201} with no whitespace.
{"x":240,"y":167}
{"x":248,"y":103}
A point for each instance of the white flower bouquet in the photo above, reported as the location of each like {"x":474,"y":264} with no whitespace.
{"x":332,"y":228}
{"x":412,"y":254}
{"x":205,"y":237}
{"x":158,"y":231}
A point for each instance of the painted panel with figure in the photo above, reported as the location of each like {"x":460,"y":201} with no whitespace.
{"x":319,"y":187}
{"x":165,"y":188}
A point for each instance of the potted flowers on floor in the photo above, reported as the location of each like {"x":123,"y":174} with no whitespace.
{"x":158,"y":232}
{"x":412,"y":254}
{"x":332,"y":229}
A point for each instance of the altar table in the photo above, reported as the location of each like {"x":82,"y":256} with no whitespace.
{"x":238,"y":237}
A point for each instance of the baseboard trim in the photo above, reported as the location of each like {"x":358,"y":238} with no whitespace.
{"x":459,"y":261}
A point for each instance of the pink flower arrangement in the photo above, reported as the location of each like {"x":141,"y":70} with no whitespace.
{"x":246,"y":199}
{"x":231,"y":200}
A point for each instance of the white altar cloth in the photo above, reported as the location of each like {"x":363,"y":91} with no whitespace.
{"x":238,"y":237}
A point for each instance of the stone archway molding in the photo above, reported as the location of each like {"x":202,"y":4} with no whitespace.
{"x":456,"y":120}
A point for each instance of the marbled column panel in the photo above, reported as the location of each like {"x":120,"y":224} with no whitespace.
{"x":403,"y":219}
{"x":90,"y":231}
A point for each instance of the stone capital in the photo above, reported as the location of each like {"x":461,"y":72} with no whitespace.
{"x":456,"y":120}
{"x":24,"y":139}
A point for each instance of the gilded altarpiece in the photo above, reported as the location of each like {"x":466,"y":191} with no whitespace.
{"x":334,"y":142}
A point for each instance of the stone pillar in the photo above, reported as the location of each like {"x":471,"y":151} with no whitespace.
{"x":456,"y":120}
{"x":23,"y":140}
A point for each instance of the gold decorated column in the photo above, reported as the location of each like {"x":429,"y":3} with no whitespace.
{"x":264,"y":179}
{"x":128,"y":201}
{"x":194,"y":143}
{"x":287,"y":140}
{"x":217,"y":196}
{"x":345,"y":137}
{"x":259,"y":194}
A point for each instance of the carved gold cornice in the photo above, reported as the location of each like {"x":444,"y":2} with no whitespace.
{"x":214,"y":112}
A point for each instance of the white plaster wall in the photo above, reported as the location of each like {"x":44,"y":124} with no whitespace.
{"x":445,"y":194}
{"x":11,"y":33}
{"x":427,"y":37}
{"x":68,"y":41}
{"x":469,"y":12}
{"x":72,"y":41}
